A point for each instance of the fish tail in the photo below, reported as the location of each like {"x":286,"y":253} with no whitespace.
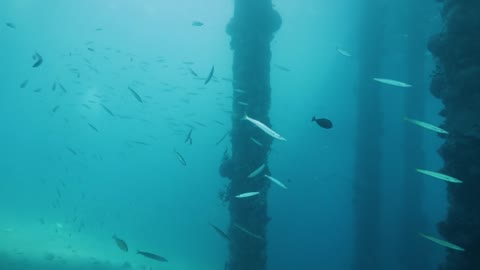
{"x":313,"y":118}
{"x":245,"y":116}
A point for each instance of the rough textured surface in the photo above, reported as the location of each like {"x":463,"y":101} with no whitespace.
{"x":457,"y":83}
{"x":251,"y":30}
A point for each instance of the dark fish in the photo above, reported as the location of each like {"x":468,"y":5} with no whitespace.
{"x":37,"y":90}
{"x":99,"y":29}
{"x":220,"y":232}
{"x":91,"y":49}
{"x":323,"y":122}
{"x":11,"y":25}
{"x":120,"y":243}
{"x":72,"y":151}
{"x":63,"y":88}
{"x":200,"y":124}
{"x":282,"y":68}
{"x":197,"y":23}
{"x":193,"y":72}
{"x":24,"y":84}
{"x":223,"y":138}
{"x":180,"y":158}
{"x":220,"y":123}
{"x":107,"y":110}
{"x":135,"y":94}
{"x":189,"y":137}
{"x":152,"y":256}
{"x":55,"y":108}
{"x":54,"y":86}
{"x":210,"y":75}
{"x":39,"y":61}
{"x":141,"y":143}
{"x":93,"y":127}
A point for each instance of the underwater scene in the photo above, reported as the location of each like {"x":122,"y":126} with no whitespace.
{"x":239,"y":134}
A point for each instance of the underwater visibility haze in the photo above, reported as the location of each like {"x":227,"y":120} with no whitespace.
{"x":239,"y":134}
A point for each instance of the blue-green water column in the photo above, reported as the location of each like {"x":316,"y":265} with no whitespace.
{"x":367,"y":183}
{"x":414,"y":251}
{"x":456,"y":82}
{"x":251,"y":30}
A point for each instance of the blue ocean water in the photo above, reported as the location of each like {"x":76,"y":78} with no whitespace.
{"x":84,"y":158}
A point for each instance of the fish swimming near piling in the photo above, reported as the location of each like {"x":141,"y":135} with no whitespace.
{"x":93,"y":127}
{"x":276,"y":181}
{"x":426,"y":125}
{"x":24,"y":84}
{"x":135,"y":94}
{"x":180,"y":158}
{"x":264,"y":128}
{"x":256,"y":171}
{"x":440,"y":176}
{"x":343,"y":52}
{"x":62,"y":87}
{"x":248,"y":232}
{"x":223,"y":138}
{"x":72,"y":151}
{"x":323,"y":122}
{"x":282,"y":68}
{"x":220,"y":232}
{"x":120,"y":243}
{"x":193,"y":72}
{"x":152,"y":256}
{"x":442,"y":242}
{"x":189,"y":137}
{"x":256,"y":141}
{"x":107,"y":110}
{"x":210,"y":75}
{"x":392,"y":82}
{"x":39,"y":59}
{"x":11,"y":25}
{"x":247,"y":194}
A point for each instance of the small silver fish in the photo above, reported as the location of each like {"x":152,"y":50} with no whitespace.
{"x":247,"y":194}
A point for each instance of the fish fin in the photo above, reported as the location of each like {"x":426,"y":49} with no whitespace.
{"x":313,"y":118}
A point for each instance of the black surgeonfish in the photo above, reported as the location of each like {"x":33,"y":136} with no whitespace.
{"x":323,"y":122}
